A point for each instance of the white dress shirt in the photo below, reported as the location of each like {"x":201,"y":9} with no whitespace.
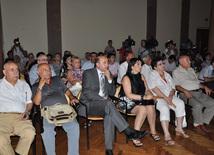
{"x":122,"y":71}
{"x":154,"y":79}
{"x":99,"y":75}
{"x":146,"y":70}
{"x":169,"y":67}
{"x":14,"y":98}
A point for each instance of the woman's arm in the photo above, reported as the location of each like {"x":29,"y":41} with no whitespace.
{"x":157,"y":91}
{"x":128,"y":92}
{"x":127,"y":89}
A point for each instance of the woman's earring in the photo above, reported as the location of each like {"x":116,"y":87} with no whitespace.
{"x":132,"y":71}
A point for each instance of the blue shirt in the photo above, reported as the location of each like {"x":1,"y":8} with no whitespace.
{"x":87,"y":65}
{"x":206,"y":72}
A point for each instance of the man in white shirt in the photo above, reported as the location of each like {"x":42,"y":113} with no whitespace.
{"x":90,"y":64}
{"x":170,"y":65}
{"x":146,"y":68}
{"x":170,"y":48}
{"x":123,"y":67}
{"x":187,"y":83}
{"x":15,"y":107}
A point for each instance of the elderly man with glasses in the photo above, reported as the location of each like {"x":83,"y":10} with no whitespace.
{"x":42,"y":59}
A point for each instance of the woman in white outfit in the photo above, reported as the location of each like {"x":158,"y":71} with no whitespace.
{"x":161,"y":84}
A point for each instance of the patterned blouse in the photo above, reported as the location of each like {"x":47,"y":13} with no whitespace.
{"x":77,"y":73}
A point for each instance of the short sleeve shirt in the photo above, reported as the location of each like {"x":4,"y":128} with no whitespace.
{"x":53,"y":93}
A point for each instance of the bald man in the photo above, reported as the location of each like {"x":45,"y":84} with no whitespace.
{"x":97,"y":85}
{"x":186,"y":81}
{"x":47,"y":92}
{"x":15,"y":108}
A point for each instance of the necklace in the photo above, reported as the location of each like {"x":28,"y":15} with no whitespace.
{"x":162,"y":75}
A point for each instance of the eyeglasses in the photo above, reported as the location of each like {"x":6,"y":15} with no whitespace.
{"x":43,"y":60}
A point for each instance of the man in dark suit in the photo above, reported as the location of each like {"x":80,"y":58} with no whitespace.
{"x":97,"y":85}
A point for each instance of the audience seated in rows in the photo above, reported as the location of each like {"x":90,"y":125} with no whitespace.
{"x":15,"y":109}
{"x":139,"y":99}
{"x":97,"y":85}
{"x":47,"y":92}
{"x":161,"y":84}
{"x":186,"y":82}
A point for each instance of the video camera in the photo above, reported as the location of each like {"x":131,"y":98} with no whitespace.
{"x":16,"y":41}
{"x":151,"y":43}
{"x":169,"y":42}
{"x":128,"y":42}
{"x":188,"y":45}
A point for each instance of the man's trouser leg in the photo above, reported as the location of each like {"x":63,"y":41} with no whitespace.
{"x":48,"y":137}
{"x":72,"y":130}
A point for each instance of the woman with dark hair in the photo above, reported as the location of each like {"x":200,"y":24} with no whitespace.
{"x":161,"y":84}
{"x":139,"y":99}
{"x":67,"y":65}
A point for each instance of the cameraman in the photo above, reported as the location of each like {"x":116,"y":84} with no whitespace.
{"x":17,"y":49}
{"x":142,"y":48}
{"x":170,"y":49}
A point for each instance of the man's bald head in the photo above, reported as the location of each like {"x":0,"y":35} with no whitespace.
{"x":184,"y":61}
{"x":129,"y":56}
{"x":102,"y":63}
{"x":44,"y":71}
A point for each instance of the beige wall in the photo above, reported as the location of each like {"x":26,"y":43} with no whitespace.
{"x":199,"y":11}
{"x":25,"y":19}
{"x":168,"y":22}
{"x":88,"y":25}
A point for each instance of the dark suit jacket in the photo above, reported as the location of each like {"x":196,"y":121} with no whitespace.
{"x":91,"y":88}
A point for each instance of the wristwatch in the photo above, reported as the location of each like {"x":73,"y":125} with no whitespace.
{"x":28,"y":111}
{"x":39,"y":90}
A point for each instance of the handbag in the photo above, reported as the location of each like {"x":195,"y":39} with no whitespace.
{"x":58,"y":113}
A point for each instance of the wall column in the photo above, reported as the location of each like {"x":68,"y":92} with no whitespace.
{"x":1,"y":49}
{"x":211,"y":31}
{"x":185,"y":14}
{"x":54,"y":26}
{"x":151,"y":18}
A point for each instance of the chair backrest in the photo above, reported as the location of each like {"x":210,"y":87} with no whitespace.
{"x":22,"y":77}
{"x":117,"y":91}
{"x":78,"y":97}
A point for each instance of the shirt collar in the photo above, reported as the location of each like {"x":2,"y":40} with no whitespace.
{"x":98,"y":71}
